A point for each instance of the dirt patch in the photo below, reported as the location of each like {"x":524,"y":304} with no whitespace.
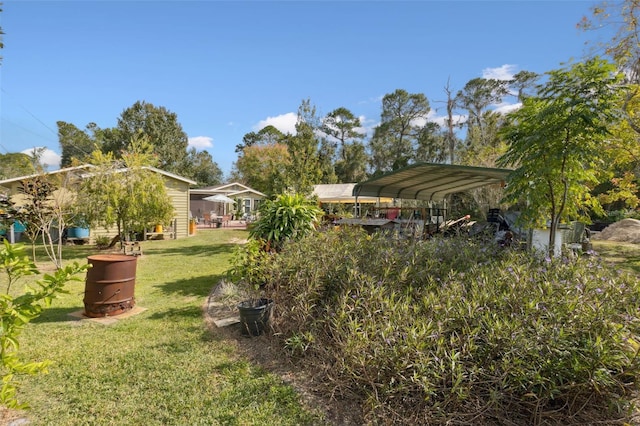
{"x":264,"y":351}
{"x":626,"y":230}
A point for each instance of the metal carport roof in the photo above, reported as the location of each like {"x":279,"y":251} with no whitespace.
{"x":342,"y":193}
{"x":431,"y":182}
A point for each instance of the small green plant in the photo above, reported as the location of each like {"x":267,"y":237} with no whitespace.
{"x":288,"y":217}
{"x":17,"y":311}
{"x":102,"y":241}
{"x":249,"y":267}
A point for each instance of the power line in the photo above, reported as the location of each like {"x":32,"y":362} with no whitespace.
{"x":32,"y":115}
{"x":27,"y":130}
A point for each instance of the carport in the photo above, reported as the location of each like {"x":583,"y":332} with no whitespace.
{"x":430,"y":182}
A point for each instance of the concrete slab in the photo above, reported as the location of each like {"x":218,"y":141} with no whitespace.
{"x":225,"y":322}
{"x":108,"y":320}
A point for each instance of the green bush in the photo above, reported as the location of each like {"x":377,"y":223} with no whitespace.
{"x":288,"y":217}
{"x":451,"y":330}
{"x":18,"y":310}
{"x":249,"y":268}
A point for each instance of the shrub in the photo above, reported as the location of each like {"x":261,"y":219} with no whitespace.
{"x":17,"y":311}
{"x":289,"y":216}
{"x":102,"y":241}
{"x":250,"y":267}
{"x":450,"y":330}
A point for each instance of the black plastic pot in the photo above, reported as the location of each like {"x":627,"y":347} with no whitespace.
{"x":254,"y":315}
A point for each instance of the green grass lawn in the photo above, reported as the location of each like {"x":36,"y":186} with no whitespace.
{"x":163,"y":366}
{"x":626,"y":255}
{"x":160,"y":367}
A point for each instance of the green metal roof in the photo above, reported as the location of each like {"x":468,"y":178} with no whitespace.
{"x":428,"y":181}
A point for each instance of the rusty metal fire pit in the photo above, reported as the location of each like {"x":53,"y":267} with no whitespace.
{"x":110,"y":284}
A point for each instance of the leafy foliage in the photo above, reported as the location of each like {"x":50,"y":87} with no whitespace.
{"x":249,"y":266}
{"x":394,"y":141}
{"x":288,"y":217}
{"x":555,"y":143}
{"x":125,"y":193}
{"x":168,"y":141}
{"x":46,"y":206}
{"x":305,"y":167}
{"x":447,"y":330}
{"x":77,"y":145}
{"x":262,"y":167}
{"x":14,"y":165}
{"x":17,"y":311}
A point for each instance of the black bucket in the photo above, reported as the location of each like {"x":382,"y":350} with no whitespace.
{"x":254,"y":315}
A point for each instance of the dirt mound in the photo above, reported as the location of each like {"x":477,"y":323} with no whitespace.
{"x":626,"y":230}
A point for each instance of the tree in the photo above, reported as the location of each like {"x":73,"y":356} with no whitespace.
{"x":75,"y":143}
{"x":353,"y":168}
{"x":14,"y":165}
{"x":162,"y":129}
{"x":555,"y":142}
{"x":452,"y":141}
{"x":624,"y":46}
{"x":326,"y":156}
{"x":268,"y":135}
{"x":623,"y":159}
{"x":476,"y":96}
{"x":305,"y":168}
{"x":203,"y":169}
{"x":45,"y":207}
{"x":262,"y":167}
{"x":394,"y":141}
{"x":342,"y":127}
{"x":125,"y":193}
{"x":431,"y":144}
{"x":523,"y":82}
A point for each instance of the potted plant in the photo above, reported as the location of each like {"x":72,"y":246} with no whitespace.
{"x":287,"y":217}
{"x":249,"y":271}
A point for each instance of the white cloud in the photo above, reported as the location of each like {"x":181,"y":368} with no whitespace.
{"x":505,"y":108}
{"x":505,"y":72}
{"x":441,"y":120}
{"x":366,"y":126}
{"x":286,"y":123}
{"x":49,"y":158}
{"x":201,"y":142}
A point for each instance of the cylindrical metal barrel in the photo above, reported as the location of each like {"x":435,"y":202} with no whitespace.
{"x":110,"y":284}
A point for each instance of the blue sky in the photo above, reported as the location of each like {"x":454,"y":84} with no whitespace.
{"x":229,"y":68}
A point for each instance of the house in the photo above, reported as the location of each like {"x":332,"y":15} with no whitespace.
{"x":247,"y":201}
{"x":177,"y":188}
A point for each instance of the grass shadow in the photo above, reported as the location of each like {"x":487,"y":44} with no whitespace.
{"x":51,"y":315}
{"x":187,"y":312}
{"x":195,"y":250}
{"x":197,"y":286}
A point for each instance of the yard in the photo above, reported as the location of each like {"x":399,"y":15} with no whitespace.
{"x":162,"y":366}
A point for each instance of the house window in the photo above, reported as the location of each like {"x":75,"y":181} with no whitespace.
{"x":247,"y":205}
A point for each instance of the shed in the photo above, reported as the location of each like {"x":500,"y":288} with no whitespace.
{"x":177,"y":189}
